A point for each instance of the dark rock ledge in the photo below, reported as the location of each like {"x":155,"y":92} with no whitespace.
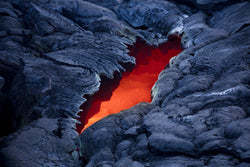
{"x":53,"y":52}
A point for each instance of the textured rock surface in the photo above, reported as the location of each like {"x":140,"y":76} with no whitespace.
{"x":55,"y":52}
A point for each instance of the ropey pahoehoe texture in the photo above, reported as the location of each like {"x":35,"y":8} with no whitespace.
{"x":53,"y":52}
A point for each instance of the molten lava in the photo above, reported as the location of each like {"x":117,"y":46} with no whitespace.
{"x":134,"y":87}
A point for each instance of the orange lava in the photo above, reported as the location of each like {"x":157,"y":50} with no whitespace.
{"x":134,"y":87}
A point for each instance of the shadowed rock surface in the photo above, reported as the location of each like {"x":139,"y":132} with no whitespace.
{"x":52,"y":53}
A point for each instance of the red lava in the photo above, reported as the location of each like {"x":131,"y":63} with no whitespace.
{"x":134,"y":87}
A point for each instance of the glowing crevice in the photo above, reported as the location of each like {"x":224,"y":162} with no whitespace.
{"x":134,"y":87}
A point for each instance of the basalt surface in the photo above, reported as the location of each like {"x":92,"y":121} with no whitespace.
{"x":54,"y":52}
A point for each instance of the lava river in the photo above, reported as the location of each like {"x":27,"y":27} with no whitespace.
{"x":133,"y":88}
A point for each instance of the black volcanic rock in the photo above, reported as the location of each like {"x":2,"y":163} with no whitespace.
{"x":161,"y":18}
{"x":40,"y":142}
{"x":55,"y":52}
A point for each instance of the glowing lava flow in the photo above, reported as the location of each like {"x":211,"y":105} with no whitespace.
{"x":134,"y":87}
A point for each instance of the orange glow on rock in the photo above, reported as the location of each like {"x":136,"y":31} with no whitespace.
{"x":133,"y":88}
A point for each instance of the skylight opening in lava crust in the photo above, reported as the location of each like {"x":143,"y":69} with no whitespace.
{"x":134,"y":87}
